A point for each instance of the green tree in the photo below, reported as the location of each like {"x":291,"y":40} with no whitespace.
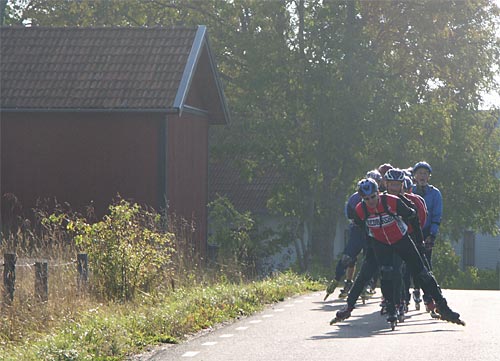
{"x":324,"y":91}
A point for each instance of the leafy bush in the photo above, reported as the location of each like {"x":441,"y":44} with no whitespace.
{"x":445,"y":264}
{"x":476,"y":279}
{"x":127,"y":250}
{"x":231,"y":233}
{"x":240,"y":240}
{"x":447,"y":271}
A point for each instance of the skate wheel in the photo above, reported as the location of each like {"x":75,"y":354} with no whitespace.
{"x":458,"y":322}
{"x":434,"y":315}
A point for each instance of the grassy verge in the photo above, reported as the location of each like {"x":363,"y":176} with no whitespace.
{"x":113,"y":331}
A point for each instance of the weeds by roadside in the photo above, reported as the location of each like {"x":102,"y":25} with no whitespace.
{"x":114,"y":330}
{"x":145,"y":287}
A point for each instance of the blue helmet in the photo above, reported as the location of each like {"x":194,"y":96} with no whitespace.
{"x":367,"y":186}
{"x":422,"y":164}
{"x":374,"y":174}
{"x":395,"y":174}
{"x":408,"y":183}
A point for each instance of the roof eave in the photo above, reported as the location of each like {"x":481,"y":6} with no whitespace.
{"x":171,"y":110}
{"x":200,"y":40}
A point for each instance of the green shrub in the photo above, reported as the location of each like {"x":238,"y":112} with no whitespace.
{"x":231,"y":234}
{"x":127,"y":250}
{"x":240,"y":241}
{"x":446,"y":269}
{"x":445,"y":264}
{"x":476,"y":279}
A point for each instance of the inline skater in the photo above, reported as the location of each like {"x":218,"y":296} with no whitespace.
{"x":433,"y":200}
{"x":357,"y":241}
{"x":422,"y":217}
{"x":383,"y":215}
{"x":382,"y":169}
{"x":394,"y":179}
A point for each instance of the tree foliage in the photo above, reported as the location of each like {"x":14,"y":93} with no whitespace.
{"x":325,"y":91}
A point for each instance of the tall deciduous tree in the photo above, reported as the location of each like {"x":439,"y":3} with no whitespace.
{"x":326,"y":90}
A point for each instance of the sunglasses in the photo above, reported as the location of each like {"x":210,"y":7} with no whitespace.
{"x":374,"y":195}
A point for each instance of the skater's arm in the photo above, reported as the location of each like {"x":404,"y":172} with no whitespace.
{"x":410,"y":216}
{"x":357,"y":219}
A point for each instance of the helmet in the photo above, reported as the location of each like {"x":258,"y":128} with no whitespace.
{"x":408,"y":172}
{"x":407,"y":183}
{"x":374,"y":174}
{"x":394,"y":174}
{"x":422,"y":164}
{"x":384,"y":168}
{"x":367,"y":186}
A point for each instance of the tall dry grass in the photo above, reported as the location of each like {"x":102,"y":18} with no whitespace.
{"x":33,"y":240}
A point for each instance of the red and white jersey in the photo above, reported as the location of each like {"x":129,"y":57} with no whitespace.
{"x":421,"y":209}
{"x":385,"y":226}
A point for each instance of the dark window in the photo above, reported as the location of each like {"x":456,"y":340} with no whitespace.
{"x":469,"y":247}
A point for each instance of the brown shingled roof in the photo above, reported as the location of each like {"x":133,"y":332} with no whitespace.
{"x":94,"y":68}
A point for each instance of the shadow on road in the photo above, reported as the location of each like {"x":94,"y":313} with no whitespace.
{"x":363,"y":324}
{"x":373,"y":324}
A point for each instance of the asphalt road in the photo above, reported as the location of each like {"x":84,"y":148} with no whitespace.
{"x":298,"y":329}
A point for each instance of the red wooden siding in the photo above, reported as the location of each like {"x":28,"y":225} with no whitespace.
{"x":80,"y":157}
{"x":187,"y":182}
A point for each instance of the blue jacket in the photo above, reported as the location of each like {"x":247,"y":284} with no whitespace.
{"x":353,"y":200}
{"x":434,"y":203}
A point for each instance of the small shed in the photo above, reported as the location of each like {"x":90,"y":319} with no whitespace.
{"x":89,"y":113}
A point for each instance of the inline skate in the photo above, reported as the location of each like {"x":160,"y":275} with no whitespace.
{"x":342,"y":314}
{"x":330,"y":289}
{"x":446,"y":314}
{"x":345,"y":291}
{"x":417,"y":299}
{"x":392,"y":318}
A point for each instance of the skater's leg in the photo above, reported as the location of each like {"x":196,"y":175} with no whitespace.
{"x":407,"y":250}
{"x":350,"y":271}
{"x":398,"y":278}
{"x":406,"y":284}
{"x":427,"y":258}
{"x":368,"y":268}
{"x":356,"y":242}
{"x":348,"y":281}
{"x":385,"y":254}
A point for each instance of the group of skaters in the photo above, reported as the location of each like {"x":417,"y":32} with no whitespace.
{"x":394,"y":219}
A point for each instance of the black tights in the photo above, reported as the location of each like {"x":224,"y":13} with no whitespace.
{"x":405,"y":249}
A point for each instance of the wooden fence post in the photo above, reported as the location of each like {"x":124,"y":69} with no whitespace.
{"x":9,"y":276}
{"x":42,"y":281}
{"x":83,"y":270}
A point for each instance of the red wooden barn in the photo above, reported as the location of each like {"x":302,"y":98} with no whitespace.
{"x":89,"y":113}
